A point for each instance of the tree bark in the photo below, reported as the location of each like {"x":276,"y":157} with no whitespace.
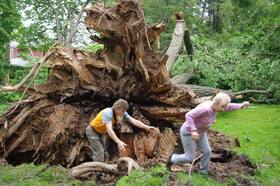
{"x":176,"y":42}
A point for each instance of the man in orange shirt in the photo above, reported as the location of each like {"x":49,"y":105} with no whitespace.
{"x":103,"y":124}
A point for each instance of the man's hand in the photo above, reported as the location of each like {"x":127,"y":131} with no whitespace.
{"x":195,"y":135}
{"x":245,"y":104}
{"x":121,"y":145}
{"x":153,"y":130}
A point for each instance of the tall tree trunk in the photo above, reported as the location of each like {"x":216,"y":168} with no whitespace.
{"x":204,"y":3}
{"x":74,"y":28}
{"x":176,"y":42}
{"x":57,"y":21}
{"x":217,"y":19}
{"x":7,"y":74}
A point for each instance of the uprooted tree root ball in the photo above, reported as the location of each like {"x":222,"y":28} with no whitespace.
{"x":49,"y":126}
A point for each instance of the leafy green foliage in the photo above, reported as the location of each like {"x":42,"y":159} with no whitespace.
{"x":17,"y":74}
{"x":3,"y":107}
{"x":110,"y":2}
{"x":93,"y":48}
{"x":6,"y":98}
{"x":33,"y":37}
{"x":244,"y":55}
{"x":50,"y":21}
{"x":9,"y":21}
{"x":226,"y":66}
{"x":9,"y":97}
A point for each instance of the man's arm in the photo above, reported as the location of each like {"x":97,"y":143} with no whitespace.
{"x":141,"y":125}
{"x":113,"y":136}
{"x":138,"y":124}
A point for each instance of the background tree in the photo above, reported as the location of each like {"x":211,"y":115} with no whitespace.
{"x":238,"y":50}
{"x":51,"y":20}
{"x":9,"y":21}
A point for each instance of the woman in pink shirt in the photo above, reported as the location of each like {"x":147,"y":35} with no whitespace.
{"x":193,"y":131}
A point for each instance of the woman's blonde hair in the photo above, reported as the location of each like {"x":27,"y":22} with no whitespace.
{"x":120,"y":104}
{"x":221,"y":97}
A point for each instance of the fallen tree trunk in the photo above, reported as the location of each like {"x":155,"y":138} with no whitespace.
{"x":84,"y":168}
{"x":49,"y":126}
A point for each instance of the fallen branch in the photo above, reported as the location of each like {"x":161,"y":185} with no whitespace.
{"x":93,"y":166}
{"x":16,"y":143}
{"x":88,"y":167}
{"x":76,"y":149}
{"x":34,"y":69}
{"x":190,"y":171}
{"x":145,"y":70}
{"x":251,"y":92}
{"x":21,"y":119}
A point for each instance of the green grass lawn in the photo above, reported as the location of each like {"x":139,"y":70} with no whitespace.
{"x":257,"y":129}
{"x":40,"y":175}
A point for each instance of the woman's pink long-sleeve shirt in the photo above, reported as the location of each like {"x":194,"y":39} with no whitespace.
{"x":203,"y":116}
